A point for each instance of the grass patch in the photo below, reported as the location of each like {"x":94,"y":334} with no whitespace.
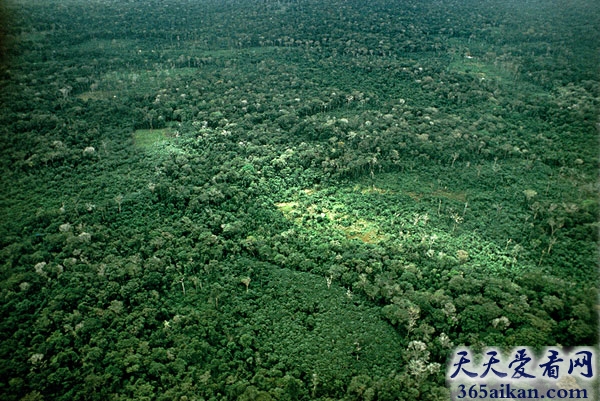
{"x":147,"y":138}
{"x":313,"y":214}
{"x":287,"y":207}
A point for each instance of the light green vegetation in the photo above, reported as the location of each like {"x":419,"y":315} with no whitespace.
{"x":147,"y":138}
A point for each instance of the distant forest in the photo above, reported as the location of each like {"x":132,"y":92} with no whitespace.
{"x":286,"y":200}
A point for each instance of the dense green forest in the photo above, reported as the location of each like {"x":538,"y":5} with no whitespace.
{"x":294,"y":199}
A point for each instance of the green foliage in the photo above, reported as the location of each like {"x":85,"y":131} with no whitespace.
{"x":204,"y":202}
